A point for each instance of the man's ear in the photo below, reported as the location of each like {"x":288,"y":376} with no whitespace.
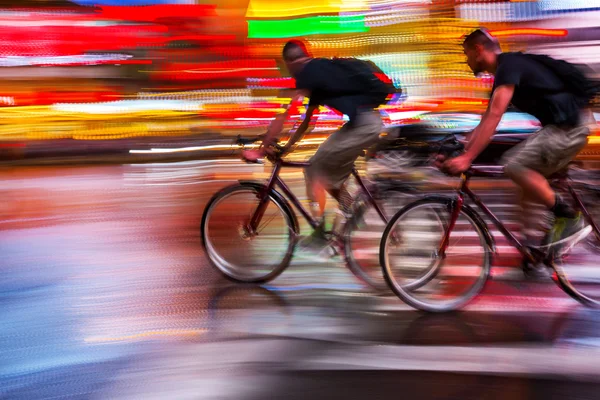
{"x":479,"y":48}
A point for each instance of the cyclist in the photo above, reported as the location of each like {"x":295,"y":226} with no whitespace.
{"x":536,"y":88}
{"x":351,"y":87}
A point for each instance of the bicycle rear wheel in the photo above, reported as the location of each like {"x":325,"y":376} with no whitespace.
{"x":409,"y":252}
{"x":237,"y":253}
{"x":579,"y":276}
{"x":577,"y":273}
{"x":362,"y":235}
{"x":591,"y":200}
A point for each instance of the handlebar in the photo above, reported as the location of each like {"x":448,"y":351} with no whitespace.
{"x":240,"y":141}
{"x":244,"y":141}
{"x":449,"y":147}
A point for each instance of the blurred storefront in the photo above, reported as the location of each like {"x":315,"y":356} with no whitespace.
{"x":127,"y":68}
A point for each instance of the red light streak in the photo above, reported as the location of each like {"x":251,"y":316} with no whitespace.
{"x":153,"y":13}
{"x":530,"y":31}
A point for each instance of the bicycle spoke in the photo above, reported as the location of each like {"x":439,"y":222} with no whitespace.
{"x":234,"y":251}
{"x":422,"y":277}
{"x":260,"y":229}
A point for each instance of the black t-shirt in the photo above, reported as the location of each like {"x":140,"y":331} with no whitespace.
{"x":538,"y":91}
{"x":331,"y":86}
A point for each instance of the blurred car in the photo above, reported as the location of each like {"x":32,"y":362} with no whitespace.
{"x":409,"y":148}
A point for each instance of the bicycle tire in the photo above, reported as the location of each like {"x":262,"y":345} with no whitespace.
{"x":562,"y":279}
{"x":219,"y":263}
{"x":374,"y":280}
{"x":402,"y":290}
{"x":590,"y":195}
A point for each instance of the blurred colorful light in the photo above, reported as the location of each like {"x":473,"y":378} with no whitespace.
{"x":322,"y":25}
{"x":556,"y":5}
{"x":152,"y":13}
{"x":274,"y":9}
{"x":130,"y":2}
{"x":530,"y":31}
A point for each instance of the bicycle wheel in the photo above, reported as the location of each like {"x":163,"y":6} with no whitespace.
{"x":577,"y":272}
{"x":410,"y":250}
{"x":591,"y":199}
{"x":362,"y":235}
{"x":237,"y":254}
{"x":578,"y":275}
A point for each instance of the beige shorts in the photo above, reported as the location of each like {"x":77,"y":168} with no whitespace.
{"x":547,"y":151}
{"x":334,"y":160}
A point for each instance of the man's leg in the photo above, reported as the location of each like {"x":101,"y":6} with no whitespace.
{"x":333,"y":162}
{"x":363,"y":134}
{"x":536,"y":188}
{"x":317,"y":196}
{"x":317,"y":186}
{"x":535,"y":220}
{"x":528,"y":164}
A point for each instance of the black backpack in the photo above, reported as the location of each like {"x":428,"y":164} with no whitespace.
{"x":575,"y":77}
{"x":367,"y":78}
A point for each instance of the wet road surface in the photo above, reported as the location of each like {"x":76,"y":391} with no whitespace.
{"x":106,"y":293}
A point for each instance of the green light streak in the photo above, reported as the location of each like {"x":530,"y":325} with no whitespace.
{"x":325,"y":25}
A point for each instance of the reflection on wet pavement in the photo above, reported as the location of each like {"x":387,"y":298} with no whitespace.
{"x":106,"y":293}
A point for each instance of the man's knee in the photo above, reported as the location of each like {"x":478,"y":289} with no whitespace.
{"x":513,"y":169}
{"x":308,"y":173}
{"x":314,"y":175}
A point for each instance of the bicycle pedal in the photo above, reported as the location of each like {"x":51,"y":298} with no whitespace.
{"x":330,"y":252}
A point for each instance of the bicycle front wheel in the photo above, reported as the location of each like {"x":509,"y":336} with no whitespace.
{"x":238,"y":253}
{"x":410,"y":251}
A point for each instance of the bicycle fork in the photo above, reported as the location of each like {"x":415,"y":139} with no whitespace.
{"x":252,"y":226}
{"x":456,"y":208}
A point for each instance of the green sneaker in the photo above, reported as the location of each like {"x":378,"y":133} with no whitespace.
{"x":565,"y":234}
{"x":535,"y":272}
{"x":315,"y":242}
{"x":339,"y":222}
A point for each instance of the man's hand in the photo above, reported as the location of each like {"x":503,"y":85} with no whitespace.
{"x":253,"y":155}
{"x":457,"y":165}
{"x":439,"y":161}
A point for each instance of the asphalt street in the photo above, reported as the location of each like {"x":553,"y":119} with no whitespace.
{"x":106,"y":293}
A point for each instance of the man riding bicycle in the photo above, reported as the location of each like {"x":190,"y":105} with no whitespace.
{"x":350,"y":86}
{"x":533,"y":85}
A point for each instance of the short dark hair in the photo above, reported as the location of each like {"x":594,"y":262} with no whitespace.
{"x":482,"y":37}
{"x":294,"y":49}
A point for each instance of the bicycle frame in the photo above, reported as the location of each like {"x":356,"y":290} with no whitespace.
{"x":532,"y":254}
{"x":275,"y":180}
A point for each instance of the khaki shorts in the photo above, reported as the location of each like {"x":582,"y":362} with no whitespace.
{"x":334,"y":160}
{"x":547,"y":151}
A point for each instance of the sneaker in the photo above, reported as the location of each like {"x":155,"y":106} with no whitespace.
{"x":535,"y":272}
{"x":316,"y":247}
{"x":565,"y":234}
{"x":339,"y":222}
{"x":316,"y":242}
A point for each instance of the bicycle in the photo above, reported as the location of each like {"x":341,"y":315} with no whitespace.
{"x":268,"y":204}
{"x":431,"y":238}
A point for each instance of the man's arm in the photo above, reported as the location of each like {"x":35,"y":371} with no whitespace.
{"x":276,"y":125}
{"x":483,"y":133}
{"x":302,"y":128}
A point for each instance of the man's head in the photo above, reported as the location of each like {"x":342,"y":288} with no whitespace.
{"x":295,"y":56}
{"x":482,"y":51}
